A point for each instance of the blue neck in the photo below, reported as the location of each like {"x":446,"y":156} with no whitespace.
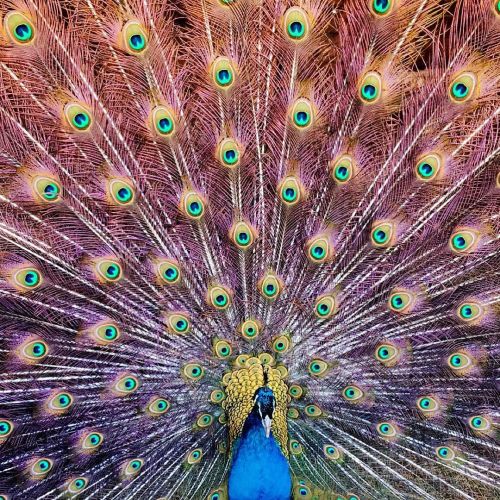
{"x":259,"y":470}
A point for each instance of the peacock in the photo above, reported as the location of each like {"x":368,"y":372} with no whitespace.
{"x":249,"y":249}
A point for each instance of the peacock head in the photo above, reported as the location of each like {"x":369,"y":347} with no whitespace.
{"x":264,"y":406}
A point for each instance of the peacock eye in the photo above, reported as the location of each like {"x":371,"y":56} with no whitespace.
{"x":353,"y":393}
{"x":222,"y":349}
{"x":6,"y":429}
{"x":429,"y":167}
{"x":295,"y":447}
{"x":77,"y":485}
{"x":383,"y":234}
{"x":41,"y":467}
{"x":218,"y":494}
{"x":331,"y":452}
{"x":370,"y":88}
{"x":122,"y":193}
{"x":47,"y":189}
{"x":229,"y":153}
{"x":193,"y":371}
{"x":108,"y":270}
{"x":168,"y":272}
{"x":132,"y":467}
{"x":445,"y":453}
{"x":194,"y":456}
{"x":33,"y":351}
{"x":91,"y":442}
{"x":480,"y":423}
{"x":266,"y":359}
{"x":296,"y":24}
{"x":60,"y":403}
{"x":317,"y":367}
{"x":302,"y":491}
{"x":163,"y":121}
{"x":19,"y":28}
{"x":241,"y":360}
{"x":158,"y":406}
{"x":281,"y":344}
{"x":401,"y":301}
{"x":325,"y":306}
{"x":250,"y":329}
{"x":463,"y":240}
{"x":319,"y":249}
{"x":302,"y":114}
{"x":219,"y":297}
{"x":381,"y":8}
{"x":460,"y":363}
{"x":126,"y":385}
{"x":470,"y":311}
{"x":242,"y":235}
{"x":295,"y":391}
{"x":193,"y":205}
{"x":342,"y":169}
{"x":26,"y":279}
{"x":77,"y":117}
{"x":313,"y":411}
{"x":290,"y":191}
{"x":205,"y":420}
{"x":292,"y":413}
{"x":270,"y":286}
{"x":463,"y":87}
{"x":223,"y":73}
{"x":178,"y":323}
{"x":134,"y":37}
{"x":387,"y":354}
{"x":427,"y":405}
{"x":386,"y":429}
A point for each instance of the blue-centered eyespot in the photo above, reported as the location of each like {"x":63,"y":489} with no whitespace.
{"x":464,"y":240}
{"x":228,"y":153}
{"x":429,"y":167}
{"x":121,"y":192}
{"x":332,"y":452}
{"x":302,"y":114}
{"x":125,"y":385}
{"x":291,"y":190}
{"x":108,"y":270}
{"x":193,"y":205}
{"x":219,"y":493}
{"x":325,"y":306}
{"x":480,"y":423}
{"x":242,"y":235}
{"x":6,"y":429}
{"x":194,"y":456}
{"x":178,"y":322}
{"x":386,"y":429}
{"x":270,"y":286}
{"x":59,"y":403}
{"x":132,"y":467}
{"x":295,"y":447}
{"x":428,"y":406}
{"x":106,"y":333}
{"x":292,"y":413}
{"x":296,"y":24}
{"x":46,"y":189}
{"x":157,"y":406}
{"x":470,"y":311}
{"x":319,"y":249}
{"x":204,"y":420}
{"x":383,"y":234}
{"x":163,"y":121}
{"x":193,"y":371}
{"x":317,"y":367}
{"x":19,"y":28}
{"x":266,"y":359}
{"x":342,"y":169}
{"x":91,"y":441}
{"x":445,"y":453}
{"x":33,"y":350}
{"x":219,"y":297}
{"x":401,"y":301}
{"x":302,"y":491}
{"x":222,"y":349}
{"x":388,"y":354}
{"x":40,"y":467}
{"x":296,"y":391}
{"x":281,"y":344}
{"x":168,"y":271}
{"x":135,"y":39}
{"x":77,"y":117}
{"x":217,"y":396}
{"x":460,"y":363}
{"x":370,"y":88}
{"x":381,"y":8}
{"x":313,"y":411}
{"x":27,"y":278}
{"x":463,"y":87}
{"x":353,"y":393}
{"x":76,"y":485}
{"x":250,"y":329}
{"x":223,"y":73}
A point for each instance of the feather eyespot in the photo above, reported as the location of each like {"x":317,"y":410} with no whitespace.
{"x":292,"y":413}
{"x":204,"y":421}
{"x":386,"y":430}
{"x":6,"y":429}
{"x":219,"y":493}
{"x":302,"y":114}
{"x":219,"y":297}
{"x":401,"y":301}
{"x":281,"y":344}
{"x":429,"y":167}
{"x":381,"y":8}
{"x":163,"y":121}
{"x":131,"y":468}
{"x":59,"y":403}
{"x":242,"y":235}
{"x":194,"y":456}
{"x":39,"y":468}
{"x":157,"y":406}
{"x":193,"y":371}
{"x":296,"y":24}
{"x":353,"y":394}
{"x":222,"y":349}
{"x":464,"y":240}
{"x":302,"y":491}
{"x":291,"y":191}
{"x":77,"y":117}
{"x":76,"y":485}
{"x":445,"y":453}
{"x":125,"y":385}
{"x":192,"y":205}
{"x":388,"y":354}
{"x":178,"y":323}
{"x":296,"y":391}
{"x":108,"y":270}
{"x":383,"y":234}
{"x":295,"y":447}
{"x":168,"y":272}
{"x":313,"y":411}
{"x":250,"y":329}
{"x":317,"y":367}
{"x":19,"y":28}
{"x":47,"y":189}
{"x":135,"y":39}
{"x":228,"y":153}
{"x":33,"y":351}
{"x":319,"y":249}
{"x":90,"y":442}
{"x":121,"y":192}
{"x":480,"y":424}
{"x":217,"y":396}
{"x":326,"y":306}
{"x":342,"y":169}
{"x":331,"y":452}
{"x":26,"y":279}
{"x":106,"y":333}
{"x":460,"y":363}
{"x":428,"y":406}
{"x":223,"y":73}
{"x":463,"y":87}
{"x":370,"y":89}
{"x":270,"y":286}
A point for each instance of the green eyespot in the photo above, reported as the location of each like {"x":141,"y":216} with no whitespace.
{"x":132,"y":467}
{"x":19,"y":28}
{"x":59,"y":403}
{"x":325,"y":306}
{"x":222,"y":349}
{"x":386,"y":430}
{"x":219,"y":297}
{"x":218,"y":494}
{"x":91,"y":442}
{"x":108,"y":270}
{"x":342,"y":169}
{"x":296,"y":391}
{"x":266,"y":359}
{"x":353,"y":394}
{"x":331,"y":452}
{"x":223,"y":73}
{"x":192,"y":205}
{"x":464,"y":240}
{"x":76,"y":485}
{"x":428,"y":406}
{"x":47,"y":189}
{"x":270,"y":286}
{"x":205,"y":420}
{"x":242,"y":235}
{"x":27,"y":278}
{"x":40,"y":467}
{"x":461,"y":363}
{"x":296,"y":24}
{"x":217,"y":396}
{"x":135,"y":39}
{"x":295,"y":447}
{"x":157,"y":406}
{"x":319,"y":249}
{"x":445,"y":453}
{"x":163,"y":121}
{"x":106,"y":333}
{"x":370,"y":88}
{"x":229,"y":153}
{"x":302,"y":491}
{"x":401,"y":301}
{"x":470,"y":312}
{"x":77,"y":117}
{"x":125,"y":385}
{"x":168,"y":271}
{"x":463,"y":87}
{"x":33,"y":351}
{"x":292,"y":413}
{"x":387,"y":354}
{"x":121,"y":192}
{"x":250,"y":329}
{"x":480,"y":424}
{"x":313,"y":411}
{"x":383,"y":234}
{"x":281,"y":344}
{"x":291,"y":191}
{"x":317,"y":367}
{"x":302,"y":114}
{"x":194,"y":456}
{"x":429,"y":167}
{"x":178,"y":323}
{"x":6,"y":429}
{"x":193,"y":371}
{"x":381,"y":8}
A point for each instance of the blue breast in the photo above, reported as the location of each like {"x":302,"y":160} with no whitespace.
{"x":259,"y":470}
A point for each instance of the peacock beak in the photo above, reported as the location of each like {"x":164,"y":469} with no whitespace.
{"x":266,"y":423}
